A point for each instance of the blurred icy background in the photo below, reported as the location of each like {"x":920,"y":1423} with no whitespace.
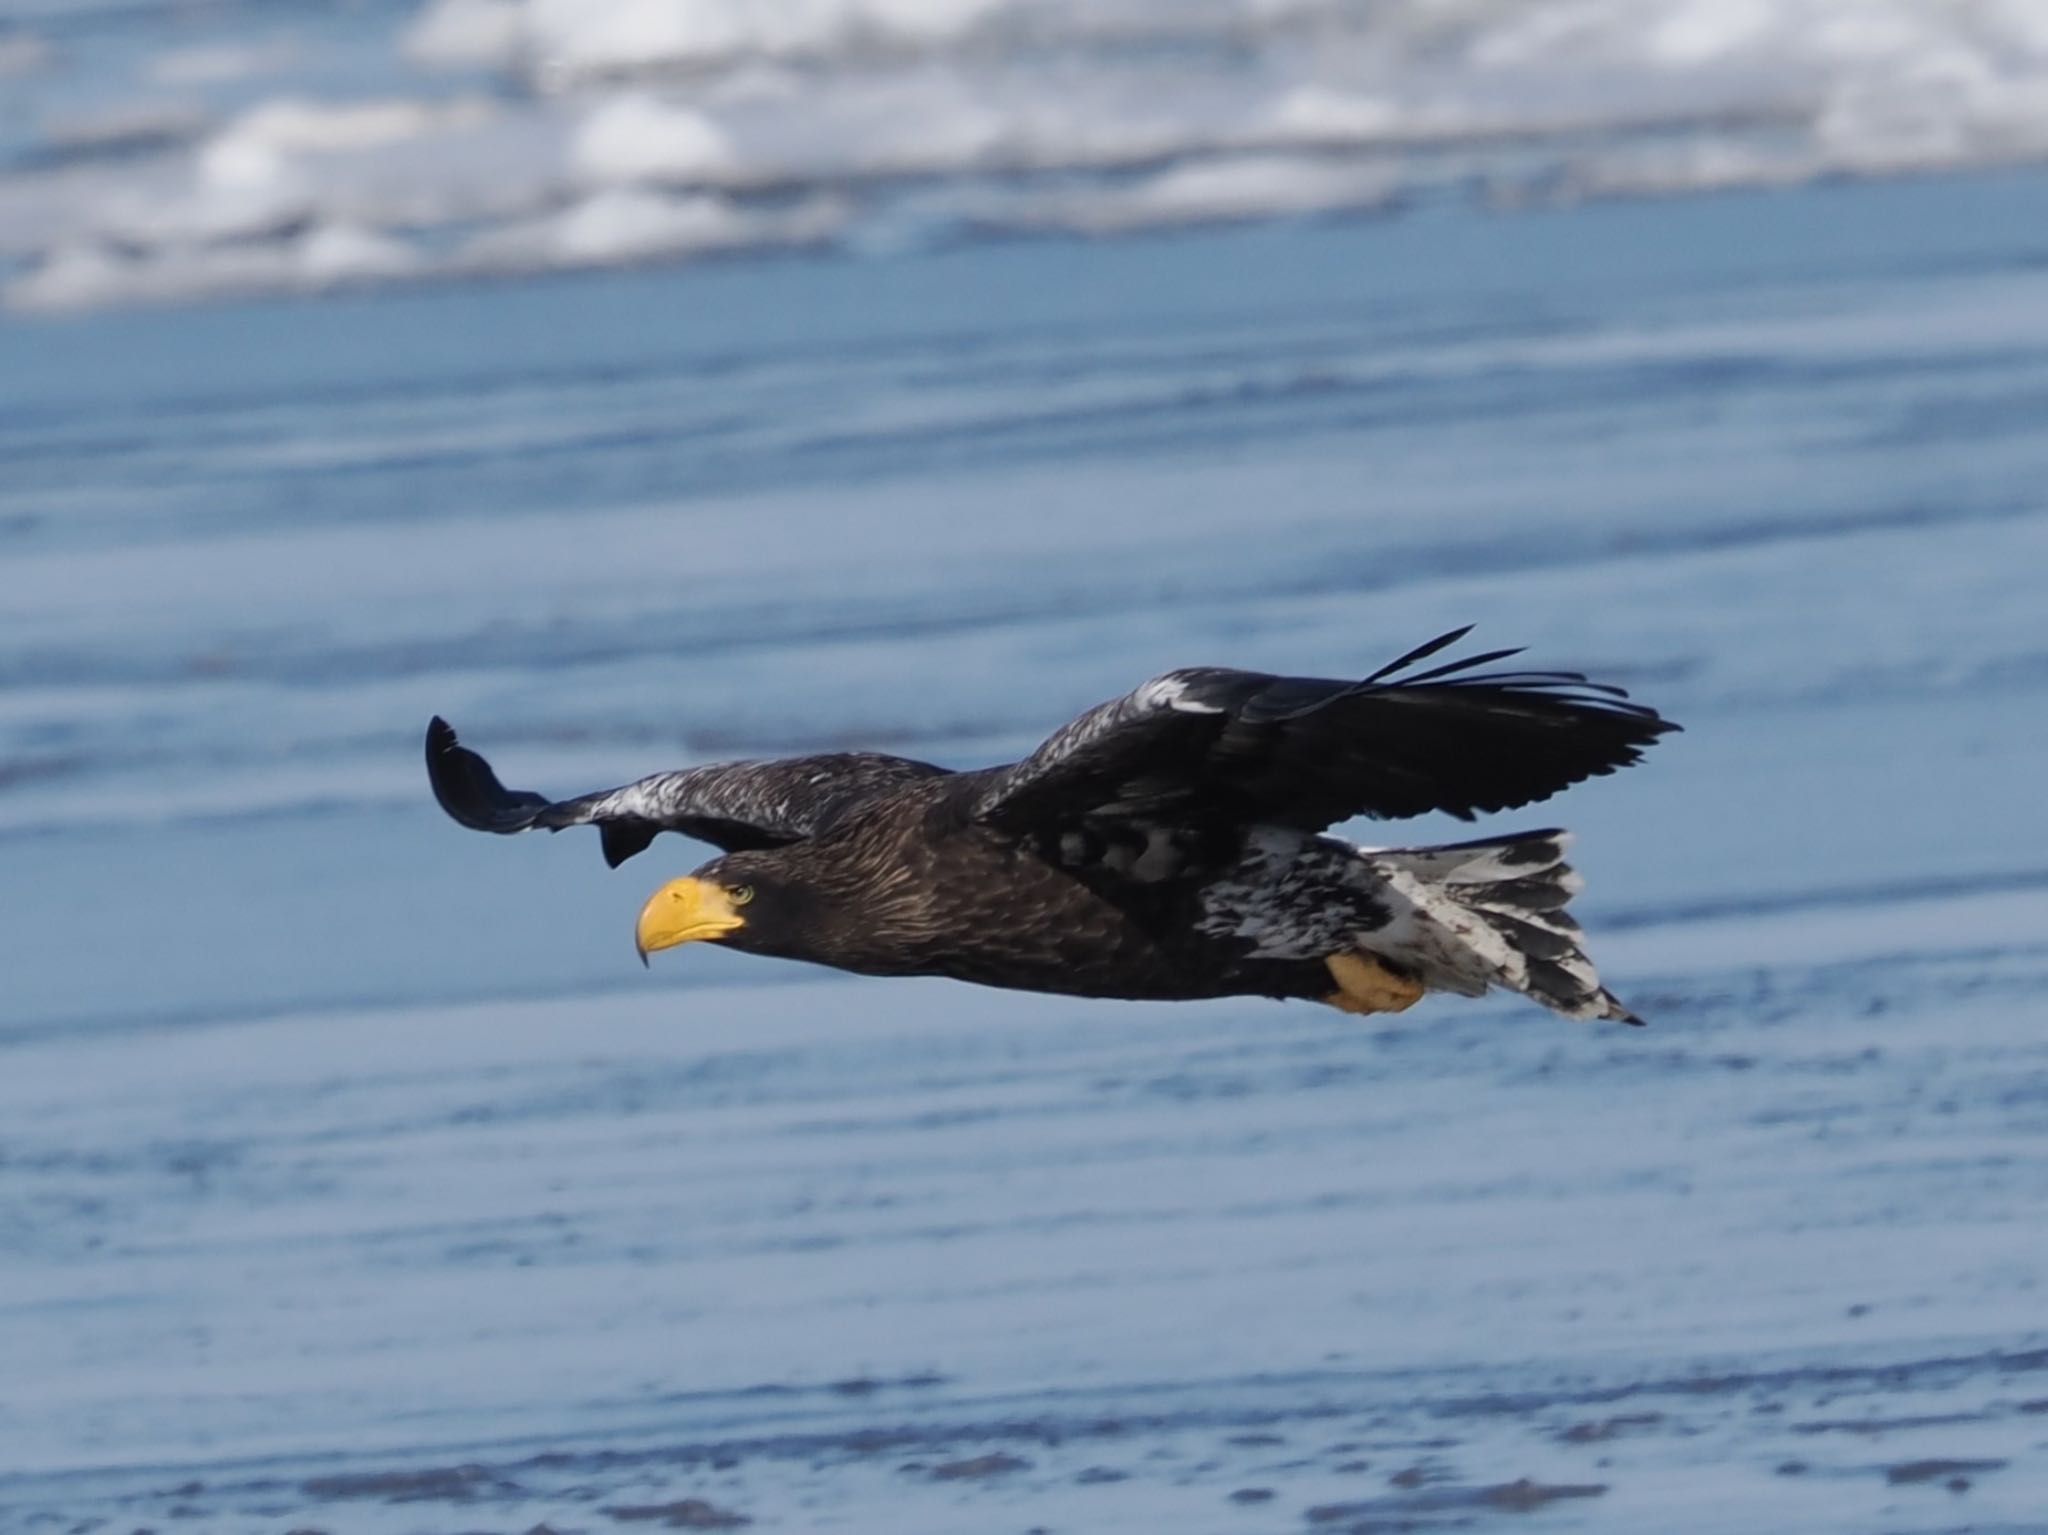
{"x":941,"y":369}
{"x":166,"y":148}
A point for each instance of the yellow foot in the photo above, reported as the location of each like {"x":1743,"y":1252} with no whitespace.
{"x":1367,"y":986}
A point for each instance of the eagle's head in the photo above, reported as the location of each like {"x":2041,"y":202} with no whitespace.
{"x":757,"y":901}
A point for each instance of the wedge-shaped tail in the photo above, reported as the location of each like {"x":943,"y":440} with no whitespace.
{"x":1471,"y":915}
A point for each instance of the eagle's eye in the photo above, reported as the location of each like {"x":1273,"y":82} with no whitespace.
{"x":739,"y":895}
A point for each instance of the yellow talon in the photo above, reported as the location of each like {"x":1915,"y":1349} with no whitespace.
{"x":1367,"y":986}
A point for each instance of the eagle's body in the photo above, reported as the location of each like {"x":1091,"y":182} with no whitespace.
{"x":1165,"y":845}
{"x":1037,"y":923}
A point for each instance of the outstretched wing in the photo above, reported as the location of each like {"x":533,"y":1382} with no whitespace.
{"x":733,"y":805}
{"x":1209,"y":743}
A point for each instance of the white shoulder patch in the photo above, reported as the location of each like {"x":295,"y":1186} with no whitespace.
{"x":1172,"y":693}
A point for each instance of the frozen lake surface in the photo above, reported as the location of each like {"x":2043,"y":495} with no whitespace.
{"x":353,"y":1177}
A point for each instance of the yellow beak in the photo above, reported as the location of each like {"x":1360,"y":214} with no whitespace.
{"x":683,"y":911}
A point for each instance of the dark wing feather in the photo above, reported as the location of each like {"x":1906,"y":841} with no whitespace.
{"x":732,"y":805}
{"x":1209,"y":742}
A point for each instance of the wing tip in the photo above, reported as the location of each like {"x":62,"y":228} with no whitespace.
{"x":1571,"y":687}
{"x":465,"y":787}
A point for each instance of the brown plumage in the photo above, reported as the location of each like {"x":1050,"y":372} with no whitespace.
{"x":1164,"y":845}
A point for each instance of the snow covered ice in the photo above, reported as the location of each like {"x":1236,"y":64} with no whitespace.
{"x":153,"y":153}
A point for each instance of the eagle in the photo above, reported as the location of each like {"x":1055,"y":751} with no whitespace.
{"x":1170,"y":844}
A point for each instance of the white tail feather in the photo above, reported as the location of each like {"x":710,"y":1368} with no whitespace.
{"x":1470,"y":915}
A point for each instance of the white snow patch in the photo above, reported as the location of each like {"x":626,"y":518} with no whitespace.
{"x":637,"y":137}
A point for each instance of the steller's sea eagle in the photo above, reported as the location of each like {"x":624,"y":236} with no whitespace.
{"x":1164,"y":845}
